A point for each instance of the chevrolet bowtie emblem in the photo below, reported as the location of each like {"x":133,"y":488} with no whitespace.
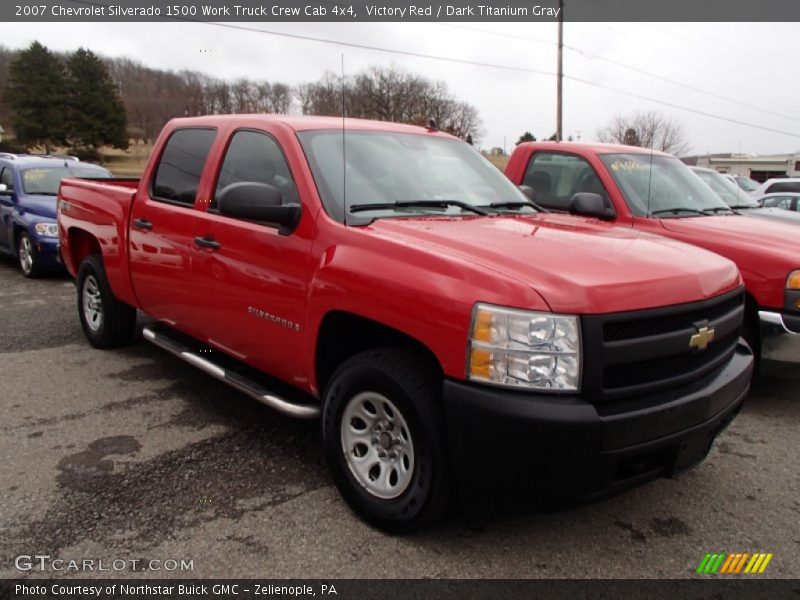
{"x":702,"y":338}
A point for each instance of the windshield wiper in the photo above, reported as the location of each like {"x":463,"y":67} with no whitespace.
{"x":676,"y":211}
{"x":418,"y":204}
{"x":514,"y":204}
{"x":743,"y":206}
{"x":717,"y":209}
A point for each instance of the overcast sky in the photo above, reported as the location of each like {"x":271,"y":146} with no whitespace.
{"x":740,"y":64}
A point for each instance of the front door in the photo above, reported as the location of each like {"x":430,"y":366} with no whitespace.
{"x":251,"y":282}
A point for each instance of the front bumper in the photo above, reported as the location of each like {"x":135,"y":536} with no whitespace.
{"x":564,"y":448}
{"x":780,"y":339}
{"x":48,"y":251}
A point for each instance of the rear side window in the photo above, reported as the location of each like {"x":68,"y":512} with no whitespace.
{"x":178,"y":172}
{"x":255,"y":157}
{"x":556,"y":177}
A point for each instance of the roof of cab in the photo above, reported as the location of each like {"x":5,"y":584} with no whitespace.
{"x":307,"y":123}
{"x":595,"y":147}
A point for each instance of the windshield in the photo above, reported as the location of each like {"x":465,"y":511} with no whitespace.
{"x":731,"y":194}
{"x":388,"y":168}
{"x":46,"y":181}
{"x":747,"y":184}
{"x":672,"y":186}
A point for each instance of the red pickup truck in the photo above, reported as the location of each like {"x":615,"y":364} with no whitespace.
{"x":390,"y":280}
{"x":655,"y":192}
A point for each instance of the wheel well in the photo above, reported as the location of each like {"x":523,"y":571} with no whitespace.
{"x":343,"y":335}
{"x":82,"y":244}
{"x":750,"y":328}
{"x":18,"y":229}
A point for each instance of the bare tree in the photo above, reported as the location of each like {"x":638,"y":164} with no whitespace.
{"x":648,"y":129}
{"x":390,"y":94}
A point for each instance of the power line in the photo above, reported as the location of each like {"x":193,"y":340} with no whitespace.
{"x":708,"y":45}
{"x":594,"y":56}
{"x":471,"y":63}
{"x":504,"y":67}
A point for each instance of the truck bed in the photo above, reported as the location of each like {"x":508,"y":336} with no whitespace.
{"x":96,"y":212}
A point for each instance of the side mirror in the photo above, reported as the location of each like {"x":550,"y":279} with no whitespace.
{"x":529,"y":192}
{"x":589,"y":204}
{"x":259,"y":202}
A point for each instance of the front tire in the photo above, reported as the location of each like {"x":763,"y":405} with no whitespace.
{"x":27,"y":256}
{"x":384,"y":439}
{"x":106,"y":322}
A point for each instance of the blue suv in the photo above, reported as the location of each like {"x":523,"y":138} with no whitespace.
{"x":28,"y":189}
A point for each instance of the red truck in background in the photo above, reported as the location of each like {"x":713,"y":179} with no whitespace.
{"x":391,"y":281}
{"x":655,"y":192}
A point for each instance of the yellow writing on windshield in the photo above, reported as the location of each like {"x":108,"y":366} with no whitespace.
{"x":34,"y":175}
{"x":627,"y":165}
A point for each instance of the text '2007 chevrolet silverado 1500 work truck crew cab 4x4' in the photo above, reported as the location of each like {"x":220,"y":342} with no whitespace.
{"x":450,"y":336}
{"x":657,"y":193}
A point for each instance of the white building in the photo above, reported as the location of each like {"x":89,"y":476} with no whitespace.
{"x":759,"y":168}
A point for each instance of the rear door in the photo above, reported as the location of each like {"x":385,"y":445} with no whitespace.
{"x":252,"y":285}
{"x":162,"y":228}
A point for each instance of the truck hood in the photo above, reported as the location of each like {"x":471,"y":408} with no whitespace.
{"x":579,"y":266}
{"x":44,"y":206}
{"x":775,"y":240}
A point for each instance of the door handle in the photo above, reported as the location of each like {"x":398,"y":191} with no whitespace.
{"x":207,"y":242}
{"x":143,"y":223}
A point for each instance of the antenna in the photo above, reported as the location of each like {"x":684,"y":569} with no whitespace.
{"x":344,"y":151}
{"x":650,"y":173}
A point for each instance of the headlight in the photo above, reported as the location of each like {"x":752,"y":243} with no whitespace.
{"x":46,"y":229}
{"x":520,"y":348}
{"x":793,"y":282}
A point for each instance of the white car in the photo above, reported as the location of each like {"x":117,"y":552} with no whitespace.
{"x":783,"y":200}
{"x":779,"y":184}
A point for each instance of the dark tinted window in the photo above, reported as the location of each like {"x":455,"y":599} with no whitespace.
{"x":256,"y":157}
{"x":784,"y":186}
{"x":178,"y":172}
{"x":556,"y":177}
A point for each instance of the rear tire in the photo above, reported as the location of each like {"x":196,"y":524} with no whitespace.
{"x":27,"y":257}
{"x":384,"y":439}
{"x":106,"y":322}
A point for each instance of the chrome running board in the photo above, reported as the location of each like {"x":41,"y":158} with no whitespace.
{"x":232,"y":378}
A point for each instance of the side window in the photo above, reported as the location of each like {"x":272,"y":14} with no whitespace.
{"x":255,"y":157}
{"x":556,"y":177}
{"x":178,"y":172}
{"x":776,"y":202}
{"x":7,"y":177}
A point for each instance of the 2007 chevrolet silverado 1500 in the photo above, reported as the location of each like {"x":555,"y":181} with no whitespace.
{"x":657,"y":193}
{"x":445,"y":330}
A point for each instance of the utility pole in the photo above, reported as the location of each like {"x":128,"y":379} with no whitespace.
{"x":560,"y":75}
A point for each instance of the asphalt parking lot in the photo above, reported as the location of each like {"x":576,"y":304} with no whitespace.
{"x":132,"y":454}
